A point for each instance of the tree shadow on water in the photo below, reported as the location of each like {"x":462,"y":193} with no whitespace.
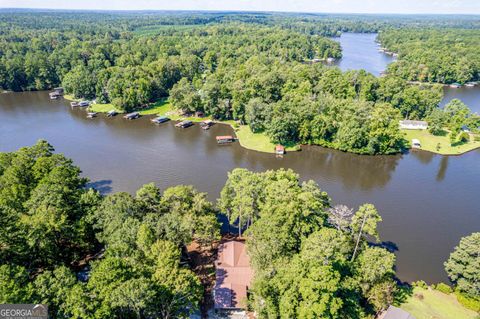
{"x":103,"y":186}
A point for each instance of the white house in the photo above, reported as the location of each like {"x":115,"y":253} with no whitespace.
{"x":413,"y":125}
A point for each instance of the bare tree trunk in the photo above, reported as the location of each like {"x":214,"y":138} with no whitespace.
{"x":359,"y":236}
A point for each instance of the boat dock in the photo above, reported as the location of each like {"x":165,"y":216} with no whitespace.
{"x":132,"y":116}
{"x":160,"y":119}
{"x":226,"y":139}
{"x":184,"y":124}
{"x":206,"y":124}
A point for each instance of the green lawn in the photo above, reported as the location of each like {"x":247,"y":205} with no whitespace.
{"x":97,"y":107}
{"x":435,"y":304}
{"x":158,"y":108}
{"x":429,"y":143}
{"x":257,"y":141}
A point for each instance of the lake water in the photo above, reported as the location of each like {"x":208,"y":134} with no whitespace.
{"x":360,"y":51}
{"x":428,"y":202}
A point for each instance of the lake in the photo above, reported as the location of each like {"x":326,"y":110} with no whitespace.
{"x":360,"y":51}
{"x":428,"y":202}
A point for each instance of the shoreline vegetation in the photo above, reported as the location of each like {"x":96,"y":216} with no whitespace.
{"x":259,"y":141}
{"x":247,"y":139}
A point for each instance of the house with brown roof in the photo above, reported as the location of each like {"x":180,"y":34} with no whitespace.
{"x":233,"y":275}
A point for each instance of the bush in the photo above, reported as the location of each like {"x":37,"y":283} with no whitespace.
{"x":463,"y":137}
{"x":420,"y":283}
{"x":446,"y":289}
{"x":468,"y":302}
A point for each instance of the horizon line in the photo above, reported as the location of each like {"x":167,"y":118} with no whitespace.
{"x":239,"y":11}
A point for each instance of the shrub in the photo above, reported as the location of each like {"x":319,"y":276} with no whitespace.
{"x":463,"y":137}
{"x":420,"y":283}
{"x":468,"y":302}
{"x":446,"y":289}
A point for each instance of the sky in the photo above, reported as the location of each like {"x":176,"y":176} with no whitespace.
{"x":330,"y":6}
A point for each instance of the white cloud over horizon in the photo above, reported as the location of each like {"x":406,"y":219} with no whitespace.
{"x":331,"y":6}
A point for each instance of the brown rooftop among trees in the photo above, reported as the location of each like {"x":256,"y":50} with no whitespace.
{"x":233,"y":275}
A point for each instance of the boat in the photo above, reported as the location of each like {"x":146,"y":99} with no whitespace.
{"x":132,"y":116}
{"x":160,"y":119}
{"x":83,"y":103}
{"x":455,"y":85}
{"x":226,"y":139}
{"x":74,"y":104}
{"x":206,"y":124}
{"x":470,"y":84}
{"x":112,"y":113}
{"x":184,"y":124}
{"x":91,"y":115}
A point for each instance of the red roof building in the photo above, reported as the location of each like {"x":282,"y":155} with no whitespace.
{"x":233,"y":275}
{"x":279,"y":149}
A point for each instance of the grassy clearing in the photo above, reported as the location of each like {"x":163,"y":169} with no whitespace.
{"x":97,"y":107}
{"x":429,"y":143}
{"x":435,"y":304}
{"x":257,"y":141}
{"x":158,"y":108}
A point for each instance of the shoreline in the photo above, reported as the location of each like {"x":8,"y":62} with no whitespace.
{"x":258,"y":142}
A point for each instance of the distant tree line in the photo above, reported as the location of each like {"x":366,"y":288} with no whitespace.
{"x":434,"y":55}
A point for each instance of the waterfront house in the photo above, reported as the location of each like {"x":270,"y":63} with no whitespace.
{"x":413,"y":125}
{"x":132,"y":116}
{"x":233,"y":276}
{"x":225,"y":139}
{"x":395,"y":313}
{"x":416,"y":143}
{"x":184,"y":124}
{"x":279,"y":149}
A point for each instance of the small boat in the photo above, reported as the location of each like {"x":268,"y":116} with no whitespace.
{"x":74,"y":104}
{"x":91,"y":115}
{"x":184,"y":124}
{"x":160,"y":119}
{"x":455,"y":85}
{"x":206,"y":124}
{"x":112,"y":113}
{"x":330,"y":60}
{"x":132,"y":116}
{"x":225,"y":139}
{"x":83,"y":103}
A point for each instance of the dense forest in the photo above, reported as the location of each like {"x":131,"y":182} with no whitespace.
{"x":256,"y":69}
{"x":433,"y":55}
